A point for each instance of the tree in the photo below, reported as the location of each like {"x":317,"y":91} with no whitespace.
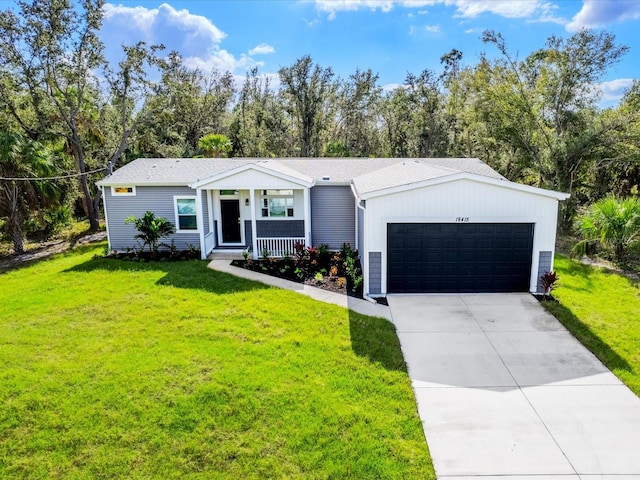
{"x":151,"y":229}
{"x":215,"y":145}
{"x":542,"y":109}
{"x":182,"y":107}
{"x":613,"y":222}
{"x":22,"y":161}
{"x":259,"y":127}
{"x":51,"y":56}
{"x":307,"y":90}
{"x":358,"y":105}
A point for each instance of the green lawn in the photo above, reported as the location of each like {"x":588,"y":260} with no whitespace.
{"x":602,"y":309}
{"x":112,"y":369}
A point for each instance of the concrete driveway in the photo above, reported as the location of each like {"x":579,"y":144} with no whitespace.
{"x":504,"y":390}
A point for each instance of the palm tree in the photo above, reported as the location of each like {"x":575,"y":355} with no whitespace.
{"x":151,"y":229}
{"x":215,"y":145}
{"x":22,"y":162}
{"x":613,"y":222}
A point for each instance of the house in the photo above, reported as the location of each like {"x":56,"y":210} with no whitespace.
{"x":419,"y":225}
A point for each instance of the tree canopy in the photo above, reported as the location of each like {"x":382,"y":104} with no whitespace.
{"x":535,"y":120}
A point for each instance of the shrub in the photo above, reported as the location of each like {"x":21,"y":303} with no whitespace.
{"x":151,"y":229}
{"x":548,"y":282}
{"x":612,"y":222}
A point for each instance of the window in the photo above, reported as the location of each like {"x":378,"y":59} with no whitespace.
{"x":130,"y":191}
{"x":277,"y":203}
{"x":186,"y":218}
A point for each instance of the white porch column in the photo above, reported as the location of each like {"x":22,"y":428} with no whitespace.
{"x":307,"y":218}
{"x":200,"y":220}
{"x":210,"y":212}
{"x":254,"y":236}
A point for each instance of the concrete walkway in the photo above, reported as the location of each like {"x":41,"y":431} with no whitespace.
{"x":504,"y":391}
{"x":222,"y":263}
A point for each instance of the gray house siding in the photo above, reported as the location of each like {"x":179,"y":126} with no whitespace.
{"x":248,"y":234}
{"x":159,"y":200}
{"x":333,"y":216}
{"x":280,"y":228}
{"x":375,"y":272}
{"x":544,"y":266}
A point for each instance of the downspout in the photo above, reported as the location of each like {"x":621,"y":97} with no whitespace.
{"x":361,"y":207}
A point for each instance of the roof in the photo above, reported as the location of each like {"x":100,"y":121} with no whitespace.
{"x":407,"y":172}
{"x":186,"y":171}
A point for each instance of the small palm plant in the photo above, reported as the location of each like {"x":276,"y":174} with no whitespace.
{"x":215,"y":145}
{"x":151,"y":229}
{"x":612,"y":222}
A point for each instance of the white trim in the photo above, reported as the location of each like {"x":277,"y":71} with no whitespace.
{"x":106,"y":217}
{"x":236,"y":197}
{"x":307,"y":216}
{"x":254,"y":233}
{"x":210,"y":214}
{"x":200,"y":221}
{"x":123,"y":194}
{"x":464,"y":176}
{"x":177,"y":218}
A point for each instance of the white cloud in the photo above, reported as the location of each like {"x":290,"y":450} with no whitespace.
{"x":195,"y":37}
{"x":432,"y":28}
{"x":262,"y":49}
{"x":600,"y":13}
{"x":613,"y":90}
{"x":539,"y":9}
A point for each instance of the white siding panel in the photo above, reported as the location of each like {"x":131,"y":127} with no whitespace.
{"x":156,"y":199}
{"x":251,"y":179}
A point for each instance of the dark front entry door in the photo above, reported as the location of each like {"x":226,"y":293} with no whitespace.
{"x":230,"y":213}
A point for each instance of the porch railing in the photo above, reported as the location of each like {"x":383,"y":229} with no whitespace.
{"x":278,"y":246}
{"x":209,"y":242}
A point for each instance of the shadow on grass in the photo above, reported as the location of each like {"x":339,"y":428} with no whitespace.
{"x":376,"y":339}
{"x":191,"y":274}
{"x":35,"y":256}
{"x":589,"y":339}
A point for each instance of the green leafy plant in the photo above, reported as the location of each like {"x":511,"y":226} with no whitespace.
{"x":354,"y":272}
{"x":612,"y":222}
{"x":265,"y":253}
{"x":319,"y":277}
{"x":151,"y":229}
{"x":215,"y":145}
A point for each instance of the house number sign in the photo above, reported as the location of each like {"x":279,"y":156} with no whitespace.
{"x":462,"y":219}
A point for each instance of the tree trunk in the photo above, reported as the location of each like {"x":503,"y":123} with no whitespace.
{"x":15,"y":229}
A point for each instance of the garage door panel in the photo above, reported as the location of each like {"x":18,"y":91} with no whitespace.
{"x":459,"y":257}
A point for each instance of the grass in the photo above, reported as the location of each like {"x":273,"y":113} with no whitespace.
{"x":114,"y":369}
{"x":602,"y":309}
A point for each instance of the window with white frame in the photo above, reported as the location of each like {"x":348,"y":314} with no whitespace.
{"x":123,"y":191}
{"x":186,"y":213}
{"x":277,"y":203}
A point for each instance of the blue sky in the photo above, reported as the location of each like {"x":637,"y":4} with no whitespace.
{"x":392,"y":37}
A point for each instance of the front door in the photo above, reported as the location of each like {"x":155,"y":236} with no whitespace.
{"x":230,"y":213}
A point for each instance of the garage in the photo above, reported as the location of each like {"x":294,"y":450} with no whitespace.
{"x":452,"y":226}
{"x":459,"y":257}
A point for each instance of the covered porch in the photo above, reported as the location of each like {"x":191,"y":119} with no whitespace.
{"x":258,"y":208}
